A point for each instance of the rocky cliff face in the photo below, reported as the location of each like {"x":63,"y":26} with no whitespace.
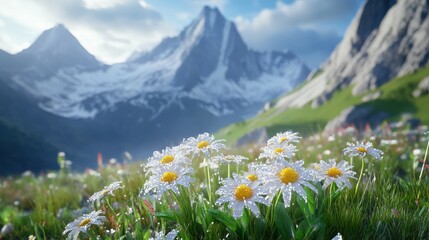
{"x":387,"y":39}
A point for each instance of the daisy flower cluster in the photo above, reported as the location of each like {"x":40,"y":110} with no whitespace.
{"x":275,"y":177}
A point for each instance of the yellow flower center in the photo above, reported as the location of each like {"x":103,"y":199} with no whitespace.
{"x":334,"y":172}
{"x":278,"y":150}
{"x":105,"y":192}
{"x":243,"y":192}
{"x":282,"y":139}
{"x":168,"y":177}
{"x":252,"y":177}
{"x":167,"y":159}
{"x":202,"y":144}
{"x":84,"y":222}
{"x":361,"y":149}
{"x":288,"y":175}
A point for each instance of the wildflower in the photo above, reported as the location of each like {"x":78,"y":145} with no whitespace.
{"x":417,"y":152}
{"x":287,"y":177}
{"x":211,"y":163}
{"x":167,"y":156}
{"x":256,"y":172}
{"x":284,"y":138}
{"x":161,"y":235}
{"x":330,"y":172}
{"x":362,"y":149}
{"x":240,"y":192}
{"x":168,"y":178}
{"x":51,"y":175}
{"x":6,"y":229}
{"x":226,"y":159}
{"x":338,"y":237}
{"x":83,"y":223}
{"x":278,"y":151}
{"x":204,"y":143}
{"x":107,"y":190}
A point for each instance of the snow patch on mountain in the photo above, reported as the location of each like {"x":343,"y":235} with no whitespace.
{"x":207,"y":62}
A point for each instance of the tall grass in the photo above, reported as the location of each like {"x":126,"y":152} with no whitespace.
{"x":391,"y":201}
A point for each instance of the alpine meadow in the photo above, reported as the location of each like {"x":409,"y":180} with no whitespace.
{"x":208,"y":119}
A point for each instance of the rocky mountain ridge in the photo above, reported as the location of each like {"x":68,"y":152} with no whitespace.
{"x":387,"y":39}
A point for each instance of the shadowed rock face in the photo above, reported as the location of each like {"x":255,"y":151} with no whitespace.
{"x":387,"y":39}
{"x":357,"y":116}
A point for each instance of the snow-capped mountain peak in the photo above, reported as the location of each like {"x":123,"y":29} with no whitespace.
{"x":200,"y":80}
{"x":211,"y":17}
{"x":57,"y":48}
{"x":208,"y":64}
{"x":57,"y":37}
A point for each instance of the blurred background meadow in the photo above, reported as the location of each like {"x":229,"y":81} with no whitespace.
{"x":89,"y":89}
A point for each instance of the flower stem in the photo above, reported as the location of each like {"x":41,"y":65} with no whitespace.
{"x":423,"y":164}
{"x":360,"y":175}
{"x":209,"y":186}
{"x":229,"y":170}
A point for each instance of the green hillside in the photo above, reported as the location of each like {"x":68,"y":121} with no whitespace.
{"x":396,"y":98}
{"x":20,"y":151}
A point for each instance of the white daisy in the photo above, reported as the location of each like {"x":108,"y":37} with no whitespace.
{"x":284,"y":138}
{"x":287,"y":177}
{"x":256,"y":172}
{"x":174,"y":155}
{"x":216,"y":161}
{"x":82,"y":224}
{"x":228,"y":159}
{"x":338,"y":237}
{"x":161,"y":235}
{"x":169,"y":177}
{"x":205,"y":144}
{"x":330,"y":172}
{"x":211,"y":163}
{"x":361,"y":149}
{"x":107,"y":190}
{"x":278,"y":151}
{"x":240,"y":192}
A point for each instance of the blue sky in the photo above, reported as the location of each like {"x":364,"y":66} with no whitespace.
{"x":114,"y":29}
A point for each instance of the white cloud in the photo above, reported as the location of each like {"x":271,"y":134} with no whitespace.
{"x":297,"y":26}
{"x":111,"y":30}
{"x":183,"y":16}
{"x":144,"y":4}
{"x":101,"y":4}
{"x":216,"y":3}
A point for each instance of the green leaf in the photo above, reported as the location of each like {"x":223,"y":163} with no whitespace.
{"x":245,"y":220}
{"x":166,"y":215}
{"x":303,"y":205}
{"x":284,"y":223}
{"x":224,"y":218}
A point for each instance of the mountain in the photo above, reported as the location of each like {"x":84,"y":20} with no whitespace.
{"x":53,"y":50}
{"x":377,"y":72}
{"x":229,"y":76}
{"x":387,"y":39}
{"x":201,"y":80}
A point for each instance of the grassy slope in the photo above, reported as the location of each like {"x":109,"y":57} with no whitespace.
{"x":395,"y":99}
{"x":20,"y":151}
